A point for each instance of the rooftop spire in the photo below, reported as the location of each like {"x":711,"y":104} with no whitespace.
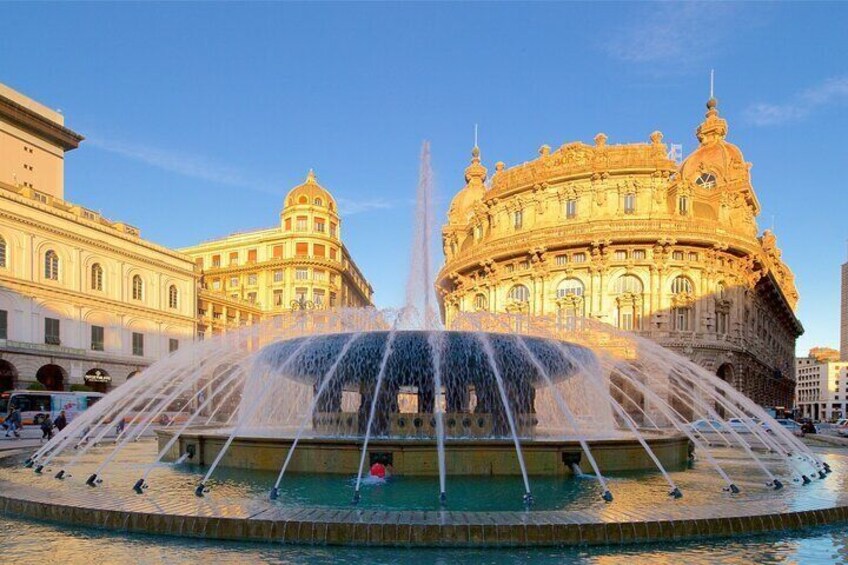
{"x":713,"y":128}
{"x":310,"y":177}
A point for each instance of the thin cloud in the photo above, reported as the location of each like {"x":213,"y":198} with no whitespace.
{"x":351,"y":207}
{"x":184,"y":164}
{"x":832,"y":91}
{"x":673,"y":33}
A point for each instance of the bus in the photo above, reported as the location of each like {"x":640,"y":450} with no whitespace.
{"x":35,"y":405}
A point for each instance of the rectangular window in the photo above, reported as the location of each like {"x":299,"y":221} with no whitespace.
{"x":677,"y":255}
{"x":301,"y":223}
{"x":571,"y":208}
{"x":251,"y":297}
{"x":693,"y":256}
{"x":629,"y":203}
{"x":333,"y":253}
{"x":251,"y":256}
{"x":332,"y":299}
{"x":138,"y":344}
{"x":278,"y":276}
{"x":251,"y":279}
{"x":621,"y":255}
{"x":639,"y":254}
{"x":199,"y":262}
{"x":561,"y":259}
{"x":4,"y":324}
{"x":288,"y":224}
{"x":301,"y":274}
{"x":278,"y":251}
{"x":300,"y":294}
{"x":173,"y":345}
{"x":332,"y":229}
{"x":319,"y":225}
{"x":626,"y":321}
{"x":51,"y":331}
{"x":683,"y":205}
{"x":216,"y":260}
{"x":216,"y":284}
{"x":97,"y":338}
{"x":301,"y":249}
{"x":524,"y":265}
{"x":318,"y":297}
{"x":278,"y":297}
{"x":318,"y":275}
{"x":234,"y":281}
{"x":510,"y":268}
{"x":579,"y":258}
{"x":518,"y":219}
{"x":318,"y":250}
{"x":234,"y":258}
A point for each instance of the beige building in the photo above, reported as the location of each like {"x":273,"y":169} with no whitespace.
{"x":299,"y":263}
{"x":821,"y":392}
{"x":83,"y":300}
{"x":843,"y":333}
{"x":625,"y":235}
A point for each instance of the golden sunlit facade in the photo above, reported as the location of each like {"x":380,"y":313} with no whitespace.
{"x":625,"y":235}
{"x":300,"y":263}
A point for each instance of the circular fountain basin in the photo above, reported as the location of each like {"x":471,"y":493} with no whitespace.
{"x":417,"y":456}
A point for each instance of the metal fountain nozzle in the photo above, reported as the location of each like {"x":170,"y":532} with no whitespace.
{"x":275,"y":493}
{"x":201,"y":488}
{"x":92,"y":480}
{"x":607,"y":496}
{"x":676,"y":493}
{"x":139,"y":486}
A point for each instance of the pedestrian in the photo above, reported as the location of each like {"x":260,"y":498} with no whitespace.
{"x":47,"y":428}
{"x":60,"y":422}
{"x":14,"y":422}
{"x":119,"y":429}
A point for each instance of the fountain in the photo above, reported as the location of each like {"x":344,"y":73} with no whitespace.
{"x":269,"y":433}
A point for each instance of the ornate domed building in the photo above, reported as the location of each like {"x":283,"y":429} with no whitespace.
{"x":299,"y":263}
{"x":624,"y":235}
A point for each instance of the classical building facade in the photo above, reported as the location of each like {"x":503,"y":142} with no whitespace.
{"x":83,"y":300}
{"x":299,"y":263}
{"x":625,"y":235}
{"x":822,"y":389}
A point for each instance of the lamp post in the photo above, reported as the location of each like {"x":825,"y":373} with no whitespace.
{"x":302,"y":304}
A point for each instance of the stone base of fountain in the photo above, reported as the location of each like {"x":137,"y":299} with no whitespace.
{"x":415,"y":457}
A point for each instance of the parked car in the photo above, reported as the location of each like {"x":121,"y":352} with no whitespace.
{"x":789,"y":425}
{"x":841,"y":427}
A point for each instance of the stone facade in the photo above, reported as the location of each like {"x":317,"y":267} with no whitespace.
{"x":822,"y":389}
{"x":625,"y":235}
{"x":83,"y":300}
{"x":301,"y":262}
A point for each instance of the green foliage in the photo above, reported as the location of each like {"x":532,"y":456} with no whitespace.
{"x":81,"y":388}
{"x":36,"y":386}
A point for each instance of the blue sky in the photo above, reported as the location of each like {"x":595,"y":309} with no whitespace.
{"x":200,"y":117}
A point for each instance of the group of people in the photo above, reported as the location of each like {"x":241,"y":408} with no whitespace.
{"x":13,"y":424}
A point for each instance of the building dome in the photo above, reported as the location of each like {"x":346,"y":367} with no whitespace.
{"x":310,"y":193}
{"x":715,"y":156}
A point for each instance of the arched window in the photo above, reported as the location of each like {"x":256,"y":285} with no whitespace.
{"x":173,"y":296}
{"x":629,"y":203}
{"x":2,"y":253}
{"x":570,"y":287}
{"x":480,"y":302}
{"x":318,"y":202}
{"x":51,"y":265}
{"x":683,"y":205}
{"x":706,"y":180}
{"x":96,"y":277}
{"x":629,"y":302}
{"x":519,"y":293}
{"x":137,"y":288}
{"x":303,"y":200}
{"x":571,"y":305}
{"x":628,"y":284}
{"x":682,"y":285}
